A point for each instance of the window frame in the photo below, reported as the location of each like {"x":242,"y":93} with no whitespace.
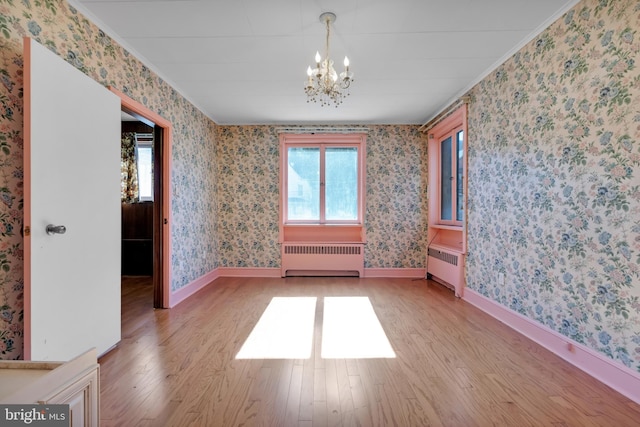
{"x":448,"y":127}
{"x":322,"y":141}
{"x":453,"y":134}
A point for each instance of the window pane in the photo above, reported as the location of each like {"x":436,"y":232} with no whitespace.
{"x":145,"y":172}
{"x":459,"y":175}
{"x":446,"y":178}
{"x":303,"y":184}
{"x":341,"y":183}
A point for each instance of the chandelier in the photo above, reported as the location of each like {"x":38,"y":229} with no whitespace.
{"x":323,"y":84}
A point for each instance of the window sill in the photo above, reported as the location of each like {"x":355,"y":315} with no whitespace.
{"x":446,"y":227}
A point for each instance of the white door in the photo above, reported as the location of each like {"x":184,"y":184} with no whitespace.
{"x":72,"y":179}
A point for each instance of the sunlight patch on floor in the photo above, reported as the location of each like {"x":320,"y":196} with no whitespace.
{"x":284,"y":331}
{"x":351,"y":330}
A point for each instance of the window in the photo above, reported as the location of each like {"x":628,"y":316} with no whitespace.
{"x":451,"y":173}
{"x":144,"y":159}
{"x":136,"y":167}
{"x":323,"y":179}
{"x":446,"y":228}
{"x":447,"y":151}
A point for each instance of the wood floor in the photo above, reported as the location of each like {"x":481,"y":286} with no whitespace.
{"x":455,"y":365}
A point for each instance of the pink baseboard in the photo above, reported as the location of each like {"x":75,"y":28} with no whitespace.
{"x":400,"y":273}
{"x":409,"y":273}
{"x":186,"y":291}
{"x":615,"y":375}
{"x":248,"y":272}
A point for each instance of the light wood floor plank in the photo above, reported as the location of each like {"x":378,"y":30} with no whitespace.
{"x":307,"y":391}
{"x":292,"y":416}
{"x":454,"y":366}
{"x":334,"y":415}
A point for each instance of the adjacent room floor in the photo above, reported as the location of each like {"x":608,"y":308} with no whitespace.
{"x":452,"y":365}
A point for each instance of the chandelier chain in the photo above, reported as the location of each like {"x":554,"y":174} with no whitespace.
{"x":326,"y":53}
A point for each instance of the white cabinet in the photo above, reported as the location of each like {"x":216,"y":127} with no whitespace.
{"x":76,"y":383}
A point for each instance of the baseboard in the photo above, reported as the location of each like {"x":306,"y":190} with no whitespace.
{"x":248,"y":272}
{"x":410,"y":273}
{"x":617,"y":376}
{"x":186,"y":291}
{"x":400,"y":273}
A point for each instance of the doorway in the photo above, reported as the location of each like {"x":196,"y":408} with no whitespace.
{"x":158,"y":210}
{"x":137,"y":204}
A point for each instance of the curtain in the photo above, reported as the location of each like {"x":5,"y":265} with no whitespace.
{"x":128,"y":169}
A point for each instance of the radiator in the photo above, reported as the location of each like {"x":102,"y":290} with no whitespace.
{"x":447,"y":267}
{"x":322,"y":259}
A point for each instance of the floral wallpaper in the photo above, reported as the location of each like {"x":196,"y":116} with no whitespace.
{"x":248,"y":192}
{"x":396,"y":210}
{"x":193,"y":198}
{"x":57,"y":25}
{"x":554,"y":179}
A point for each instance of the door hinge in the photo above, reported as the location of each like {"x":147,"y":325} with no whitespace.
{"x":27,"y":231}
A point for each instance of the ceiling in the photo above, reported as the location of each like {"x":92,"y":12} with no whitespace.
{"x":245,"y":61}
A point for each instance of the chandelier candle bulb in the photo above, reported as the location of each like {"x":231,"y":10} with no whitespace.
{"x":309,"y":78}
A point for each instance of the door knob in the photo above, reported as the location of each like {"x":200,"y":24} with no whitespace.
{"x":56,"y":229}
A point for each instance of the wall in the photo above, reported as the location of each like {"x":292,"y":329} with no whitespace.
{"x":554,"y":180}
{"x":62,"y":29}
{"x":396,"y":209}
